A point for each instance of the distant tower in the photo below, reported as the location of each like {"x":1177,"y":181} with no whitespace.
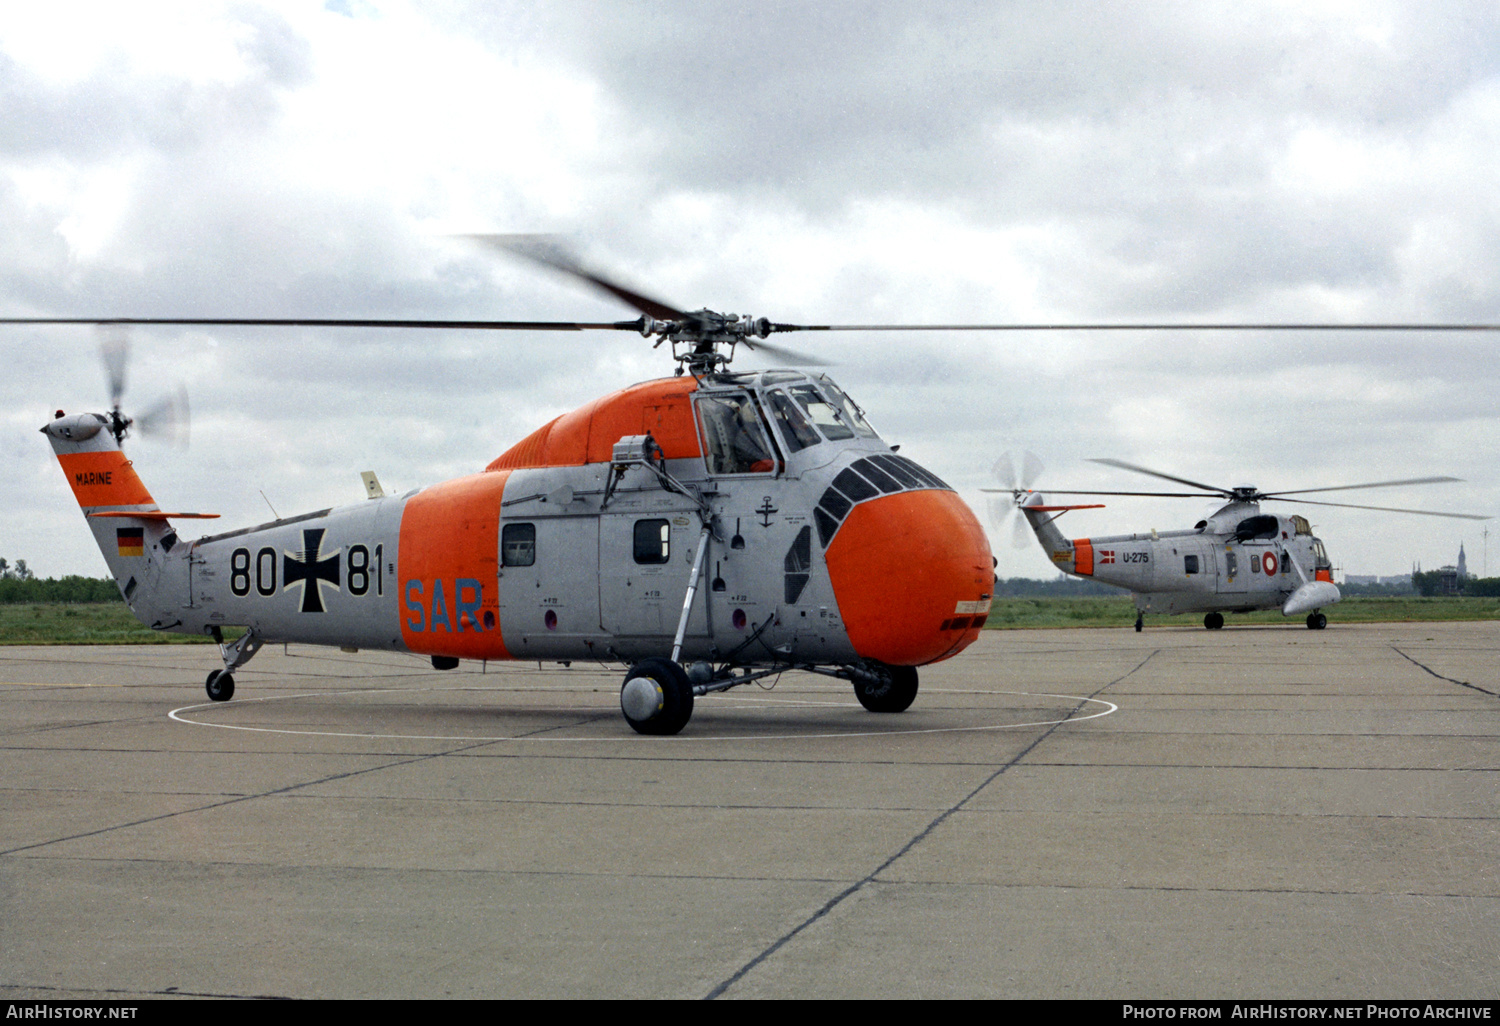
{"x":1463,"y":564}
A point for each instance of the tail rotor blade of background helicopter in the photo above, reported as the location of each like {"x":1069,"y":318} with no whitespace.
{"x":551,"y":251}
{"x":1020,"y":530}
{"x":1031,"y":469}
{"x":1004,"y":469}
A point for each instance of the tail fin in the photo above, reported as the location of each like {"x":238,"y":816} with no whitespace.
{"x":130,"y":529}
{"x":1058,"y":548}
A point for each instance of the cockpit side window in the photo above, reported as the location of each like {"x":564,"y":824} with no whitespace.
{"x":734,"y":438}
{"x":796,"y":430}
{"x":1320,"y":555}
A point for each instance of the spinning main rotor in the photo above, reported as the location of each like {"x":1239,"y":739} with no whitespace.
{"x":1249,"y":493}
{"x":703,"y":341}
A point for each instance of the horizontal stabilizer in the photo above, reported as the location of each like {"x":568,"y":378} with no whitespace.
{"x":156,"y":514}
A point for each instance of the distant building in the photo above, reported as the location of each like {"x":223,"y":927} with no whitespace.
{"x":1449,"y":579}
{"x":1463,"y":564}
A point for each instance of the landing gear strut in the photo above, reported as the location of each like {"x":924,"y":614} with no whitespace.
{"x":220,"y":683}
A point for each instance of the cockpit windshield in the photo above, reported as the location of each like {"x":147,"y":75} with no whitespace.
{"x":796,"y":430}
{"x":821,"y":412}
{"x":829,"y":410}
{"x":847,"y":411}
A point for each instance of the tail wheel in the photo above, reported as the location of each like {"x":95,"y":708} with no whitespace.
{"x":656,"y":697}
{"x":220,"y":686}
{"x":893,"y":690}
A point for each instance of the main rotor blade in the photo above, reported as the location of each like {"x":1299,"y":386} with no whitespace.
{"x":1372,"y":484}
{"x":1392,"y":509}
{"x":1206,"y":326}
{"x":1165,"y":477}
{"x":338,"y":322}
{"x":1161,"y":495}
{"x":792,"y":356}
{"x":551,"y":251}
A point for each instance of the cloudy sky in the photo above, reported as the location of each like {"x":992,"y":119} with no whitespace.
{"x":815,"y":163}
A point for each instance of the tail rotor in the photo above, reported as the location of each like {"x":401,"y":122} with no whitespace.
{"x":1005,"y":514}
{"x":166,"y":419}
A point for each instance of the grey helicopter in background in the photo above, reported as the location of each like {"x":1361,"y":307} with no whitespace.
{"x":1236,"y":560}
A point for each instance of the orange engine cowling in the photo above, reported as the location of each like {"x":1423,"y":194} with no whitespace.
{"x":913,"y":577}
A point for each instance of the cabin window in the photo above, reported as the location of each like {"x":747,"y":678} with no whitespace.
{"x":518,"y":545}
{"x":796,"y":430}
{"x":1189,"y":564}
{"x":1263,"y":526}
{"x":1231,"y":563}
{"x":653,"y":541}
{"x":1286,"y":563}
{"x":734,"y":439}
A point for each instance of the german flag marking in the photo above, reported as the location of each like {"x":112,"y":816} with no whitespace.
{"x":132,"y":540}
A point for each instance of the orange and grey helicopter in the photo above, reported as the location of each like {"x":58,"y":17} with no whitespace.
{"x":1235,"y":560}
{"x":705,"y":530}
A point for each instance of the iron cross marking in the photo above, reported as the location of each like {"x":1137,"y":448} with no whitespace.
{"x":310,"y":572}
{"x":765,"y":509}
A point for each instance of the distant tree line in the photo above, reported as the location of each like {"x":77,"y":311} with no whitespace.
{"x":19,"y":584}
{"x":1401,"y":587}
{"x":1059,"y":587}
{"x":1430,"y":582}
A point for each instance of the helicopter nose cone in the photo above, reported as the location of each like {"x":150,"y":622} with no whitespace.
{"x":913,"y":577}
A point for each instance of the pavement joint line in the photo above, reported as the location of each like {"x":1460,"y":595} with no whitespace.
{"x":65,"y":992}
{"x":1439,"y":676}
{"x":236,"y":800}
{"x":859,"y":885}
{"x":566,"y":874}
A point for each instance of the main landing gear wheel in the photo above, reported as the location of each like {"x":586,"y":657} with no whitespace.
{"x":1316,"y":621}
{"x":1140,"y":621}
{"x":893,"y":691}
{"x":220,"y":686}
{"x":656,"y":697}
{"x":1213,"y":621}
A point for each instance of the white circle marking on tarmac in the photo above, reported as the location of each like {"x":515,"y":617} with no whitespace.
{"x":177,"y":715}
